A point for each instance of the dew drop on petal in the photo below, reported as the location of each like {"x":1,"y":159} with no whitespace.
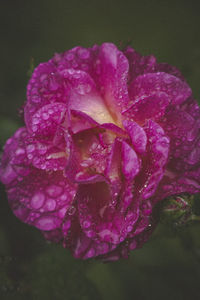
{"x":46,"y":223}
{"x":45,"y":116}
{"x":86,"y":224}
{"x":37,"y":200}
{"x":19,"y":151}
{"x":54,"y":190}
{"x":30,"y":148}
{"x":50,"y":205}
{"x":71,"y":211}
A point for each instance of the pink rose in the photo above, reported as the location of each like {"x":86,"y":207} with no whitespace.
{"x":108,"y":134}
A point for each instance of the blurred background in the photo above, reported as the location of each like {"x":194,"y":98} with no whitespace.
{"x":168,"y":266}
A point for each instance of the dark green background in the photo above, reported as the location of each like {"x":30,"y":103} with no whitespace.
{"x":168,"y":266}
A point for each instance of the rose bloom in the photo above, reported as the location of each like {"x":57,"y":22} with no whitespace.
{"x":108,"y":134}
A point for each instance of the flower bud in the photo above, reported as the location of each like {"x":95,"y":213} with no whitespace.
{"x":177,"y":210}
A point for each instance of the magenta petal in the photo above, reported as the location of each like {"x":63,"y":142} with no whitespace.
{"x":41,"y":199}
{"x":137,"y":135}
{"x":85,"y":97}
{"x":89,"y":153}
{"x":46,"y":87}
{"x":115,"y":129}
{"x":153,"y":167}
{"x":148,"y":84}
{"x":113,"y":167}
{"x":112,"y":68}
{"x":139,"y":64}
{"x":83,"y":246}
{"x":14,"y":162}
{"x":46,"y":120}
{"x":44,"y":155}
{"x":41,"y":88}
{"x":130,"y":162}
{"x":148,"y":107}
{"x":99,"y":218}
{"x":183,"y":131}
{"x":81,"y":121}
{"x":174,"y":183}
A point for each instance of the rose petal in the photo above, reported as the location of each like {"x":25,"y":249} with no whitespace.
{"x":47,"y":155}
{"x":83,"y":246}
{"x":184,"y":135}
{"x":148,"y":107}
{"x":137,"y":135}
{"x":41,"y":199}
{"x":148,"y":84}
{"x":130,"y":162}
{"x":81,"y":121}
{"x":153,"y":165}
{"x":14,"y":161}
{"x":99,"y":218}
{"x":85,"y":97}
{"x":139,"y":64}
{"x":46,"y":120}
{"x":112,"y":68}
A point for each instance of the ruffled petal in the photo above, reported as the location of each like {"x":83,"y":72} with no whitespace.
{"x":85,"y":97}
{"x":174,"y":183}
{"x":105,"y":216}
{"x":130,"y":162}
{"x":80,"y":121}
{"x":183,"y":131}
{"x":81,"y":245}
{"x":100,"y":218}
{"x":137,"y":135}
{"x":148,"y":107}
{"x":151,"y":83}
{"x":154,"y":163}
{"x":14,"y":162}
{"x":45,"y":155}
{"x":112,"y":68}
{"x":41,"y":198}
{"x":139,"y":64}
{"x":46,"y":120}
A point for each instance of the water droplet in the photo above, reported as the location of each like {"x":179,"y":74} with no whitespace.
{"x":90,"y":233}
{"x":45,"y":116}
{"x":19,"y":151}
{"x":129,"y":228}
{"x":71,"y":211}
{"x":86,"y":224}
{"x":34,"y":128}
{"x":46,"y":223}
{"x":42,"y":149}
{"x":37,"y":200}
{"x":83,"y":89}
{"x":50,"y":205}
{"x":30,"y":156}
{"x":30,"y":148}
{"x":54,"y":190}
